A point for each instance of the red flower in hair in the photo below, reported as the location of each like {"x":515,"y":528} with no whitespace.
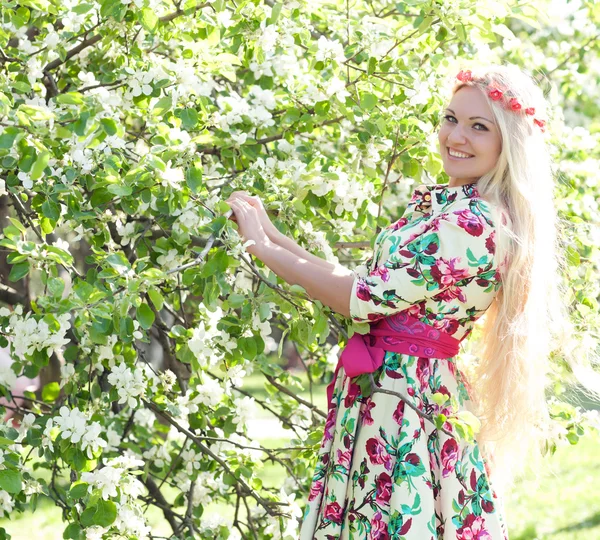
{"x":465,"y":76}
{"x":540,"y":123}
{"x":514,"y":104}
{"x":530,"y":111}
{"x":495,"y":94}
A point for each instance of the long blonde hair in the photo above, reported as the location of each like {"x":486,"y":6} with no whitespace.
{"x":528,"y":319}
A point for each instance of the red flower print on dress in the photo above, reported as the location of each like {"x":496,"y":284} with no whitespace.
{"x":378,"y":528}
{"x":315,"y":490}
{"x":362,"y":290}
{"x":423,"y":372}
{"x":473,"y":528}
{"x":383,"y":488}
{"x":449,"y":457}
{"x":351,"y":395}
{"x":490,"y":242}
{"x":399,"y":413}
{"x":334,"y":512}
{"x":378,"y":454}
{"x":445,"y":272}
{"x":469,"y":222}
{"x":450,"y":294}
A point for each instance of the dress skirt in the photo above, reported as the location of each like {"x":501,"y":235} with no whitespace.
{"x":384,"y":472}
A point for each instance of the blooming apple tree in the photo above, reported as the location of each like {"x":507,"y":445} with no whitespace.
{"x":124,"y":125}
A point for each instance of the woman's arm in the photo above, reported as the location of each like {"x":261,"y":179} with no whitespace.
{"x":331,"y":285}
{"x":288,"y":243}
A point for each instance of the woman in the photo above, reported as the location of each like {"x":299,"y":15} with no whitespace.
{"x":460,"y":250}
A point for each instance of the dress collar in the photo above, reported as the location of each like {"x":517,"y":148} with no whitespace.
{"x":438,"y":196}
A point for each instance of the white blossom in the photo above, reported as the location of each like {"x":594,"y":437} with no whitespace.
{"x":330,"y":50}
{"x":91,"y":441}
{"x":72,"y":424}
{"x":6,"y":502}
{"x":130,"y":383}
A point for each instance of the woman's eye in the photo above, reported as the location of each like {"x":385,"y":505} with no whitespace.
{"x":480,"y":127}
{"x":450,"y":118}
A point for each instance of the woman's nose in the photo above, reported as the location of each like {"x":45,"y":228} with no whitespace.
{"x":457,"y":136}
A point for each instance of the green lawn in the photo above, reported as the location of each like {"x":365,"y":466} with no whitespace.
{"x":562,"y":503}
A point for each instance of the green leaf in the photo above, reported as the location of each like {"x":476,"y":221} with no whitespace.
{"x":10,"y":481}
{"x":40,"y":164}
{"x":275,"y":11}
{"x":189,"y":118}
{"x":51,"y":210}
{"x":78,"y":491}
{"x":156,"y":297}
{"x":8,"y":137}
{"x":149,"y":19}
{"x":103,"y":514}
{"x":19,"y":271}
{"x":109,"y":125}
{"x":193,"y":177}
{"x":70,"y":98}
{"x":368,"y":102}
{"x":50,"y":392}
{"x":118,"y":261}
{"x":72,"y":532}
{"x":145,"y":316}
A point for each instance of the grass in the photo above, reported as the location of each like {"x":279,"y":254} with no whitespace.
{"x":561,"y":502}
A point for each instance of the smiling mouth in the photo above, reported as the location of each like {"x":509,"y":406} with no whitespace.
{"x":458,"y":155}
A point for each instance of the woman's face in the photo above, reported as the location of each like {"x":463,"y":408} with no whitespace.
{"x":470,"y":142}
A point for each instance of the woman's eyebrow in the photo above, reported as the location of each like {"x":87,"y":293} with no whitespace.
{"x":473,"y":117}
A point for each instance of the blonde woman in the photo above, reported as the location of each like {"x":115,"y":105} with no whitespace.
{"x":483,"y":243}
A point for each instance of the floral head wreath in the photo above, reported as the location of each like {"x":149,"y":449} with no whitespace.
{"x":496,"y":94}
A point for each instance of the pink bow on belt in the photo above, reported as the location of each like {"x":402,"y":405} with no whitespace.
{"x":401,"y":333}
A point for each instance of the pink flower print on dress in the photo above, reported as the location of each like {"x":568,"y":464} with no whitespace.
{"x":334,"y":512}
{"x":315,"y":490}
{"x":344,"y":458}
{"x":329,"y":425}
{"x":383,"y":272}
{"x":398,"y":224}
{"x":473,"y":528}
{"x":378,"y":528}
{"x":469,"y":222}
{"x":446,"y":273}
{"x":367,"y":418}
{"x":449,"y":457}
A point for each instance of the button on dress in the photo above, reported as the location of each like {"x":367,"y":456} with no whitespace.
{"x":383,"y":472}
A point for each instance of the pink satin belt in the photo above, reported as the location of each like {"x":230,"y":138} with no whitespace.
{"x":400,"y":333}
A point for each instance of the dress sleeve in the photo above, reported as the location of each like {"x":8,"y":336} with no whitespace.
{"x":454,"y":249}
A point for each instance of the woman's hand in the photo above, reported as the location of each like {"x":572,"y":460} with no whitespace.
{"x":254,"y":201}
{"x":249,"y":225}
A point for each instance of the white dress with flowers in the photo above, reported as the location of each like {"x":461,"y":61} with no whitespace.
{"x":383,"y":471}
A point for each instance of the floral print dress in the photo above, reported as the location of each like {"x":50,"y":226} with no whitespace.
{"x":383,"y":471}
